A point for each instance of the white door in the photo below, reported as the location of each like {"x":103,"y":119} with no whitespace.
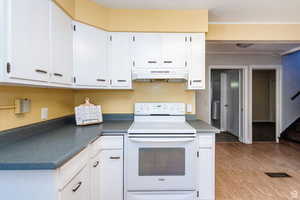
{"x":174,"y":50}
{"x":119,"y":62}
{"x":146,"y":50}
{"x":111,"y":174}
{"x":61,"y":46}
{"x":78,"y":188}
{"x":161,"y":163}
{"x":90,"y":56}
{"x":196,"y":62}
{"x":223,"y":102}
{"x":29,"y":39}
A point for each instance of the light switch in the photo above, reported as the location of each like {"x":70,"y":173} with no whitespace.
{"x":44,"y":113}
{"x":189,"y":108}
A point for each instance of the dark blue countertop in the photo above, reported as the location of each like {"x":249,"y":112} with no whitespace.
{"x":50,"y":145}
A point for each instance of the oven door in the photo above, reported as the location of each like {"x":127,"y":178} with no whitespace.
{"x":161,"y":162}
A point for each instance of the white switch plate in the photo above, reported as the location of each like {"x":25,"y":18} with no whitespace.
{"x":44,"y":113}
{"x":189,"y":108}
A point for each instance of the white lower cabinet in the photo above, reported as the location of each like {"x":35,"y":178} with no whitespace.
{"x":78,"y":188}
{"x":163,"y":195}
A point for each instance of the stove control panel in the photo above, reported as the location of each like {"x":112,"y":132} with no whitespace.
{"x":159,"y":109}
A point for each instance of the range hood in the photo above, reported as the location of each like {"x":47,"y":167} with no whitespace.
{"x":159,"y":74}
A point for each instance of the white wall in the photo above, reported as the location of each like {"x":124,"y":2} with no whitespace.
{"x":202,"y":98}
{"x":290,"y":86}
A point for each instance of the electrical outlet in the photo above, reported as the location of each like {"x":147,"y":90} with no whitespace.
{"x":189,"y":108}
{"x":44,"y":113}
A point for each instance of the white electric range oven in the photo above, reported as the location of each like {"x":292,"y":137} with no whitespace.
{"x":161,"y":154}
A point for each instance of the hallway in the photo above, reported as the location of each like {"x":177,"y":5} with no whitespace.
{"x":240,"y":171}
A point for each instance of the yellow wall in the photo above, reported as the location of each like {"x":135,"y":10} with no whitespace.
{"x":67,"y":5}
{"x":262,"y":32}
{"x":121,"y":101}
{"x":59,"y":101}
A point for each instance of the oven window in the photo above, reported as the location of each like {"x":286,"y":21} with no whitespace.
{"x":161,"y":161}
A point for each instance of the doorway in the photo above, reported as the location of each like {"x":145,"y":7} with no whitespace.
{"x":227,"y":103}
{"x":263,"y":105}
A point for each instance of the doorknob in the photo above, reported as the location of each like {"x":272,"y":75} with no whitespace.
{"x":226,"y":105}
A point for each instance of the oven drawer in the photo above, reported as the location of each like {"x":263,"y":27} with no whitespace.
{"x":169,"y":195}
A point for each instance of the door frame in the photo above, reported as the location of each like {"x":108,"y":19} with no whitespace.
{"x":278,"y":113}
{"x":244,"y":138}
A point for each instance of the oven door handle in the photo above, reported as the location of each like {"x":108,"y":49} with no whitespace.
{"x":161,"y":140}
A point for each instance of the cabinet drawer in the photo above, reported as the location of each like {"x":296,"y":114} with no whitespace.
{"x":72,"y":167}
{"x":78,"y":188}
{"x":205,"y":141}
{"x":107,"y":142}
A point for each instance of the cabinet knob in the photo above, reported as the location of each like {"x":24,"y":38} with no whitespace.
{"x":77,"y":186}
{"x":100,"y":80}
{"x":41,"y":71}
{"x":168,"y":61}
{"x":96,"y":164}
{"x":152,"y":62}
{"x":122,"y":81}
{"x":58,"y":74}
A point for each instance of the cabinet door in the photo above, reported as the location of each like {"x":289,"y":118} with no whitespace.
{"x":119,"y":62}
{"x":90,"y":56}
{"x":61,"y":46}
{"x":206,"y":174}
{"x":174,"y":50}
{"x":29,"y":39}
{"x":78,"y":188}
{"x":197,"y":62}
{"x":108,"y":174}
{"x":147,"y":50}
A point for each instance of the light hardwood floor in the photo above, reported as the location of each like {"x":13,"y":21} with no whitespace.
{"x":240,"y":171}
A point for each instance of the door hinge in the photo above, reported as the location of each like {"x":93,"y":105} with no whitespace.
{"x":74,"y":27}
{"x":197,"y":193}
{"x":197,"y":154}
{"x":74,"y":79}
{"x":110,"y":38}
{"x":8,"y":67}
{"x":133,"y":38}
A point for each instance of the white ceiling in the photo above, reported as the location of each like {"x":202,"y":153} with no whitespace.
{"x":259,"y":48}
{"x":232,"y":11}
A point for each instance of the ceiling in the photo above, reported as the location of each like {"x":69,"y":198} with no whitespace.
{"x":259,"y":48}
{"x":223,"y":11}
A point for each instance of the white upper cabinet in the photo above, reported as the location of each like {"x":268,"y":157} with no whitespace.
{"x":28,"y":36}
{"x":174,"y":50}
{"x":146,"y":48}
{"x":61,"y":46}
{"x":196,"y":62}
{"x":90,"y":56}
{"x":119,"y":60}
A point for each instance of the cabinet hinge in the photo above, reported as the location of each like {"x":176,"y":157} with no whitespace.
{"x":110,"y":38}
{"x":74,"y":27}
{"x":133,"y":63}
{"x":191,"y":39}
{"x":185,"y":39}
{"x":74,"y":79}
{"x":197,"y":193}
{"x":8,"y":67}
{"x":110,"y":82}
{"x":197,"y":154}
{"x":133,"y":38}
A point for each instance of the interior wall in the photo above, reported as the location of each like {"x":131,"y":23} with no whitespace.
{"x":262,"y":92}
{"x":58,"y":101}
{"x":290,"y":86}
{"x":202,"y":98}
{"x":122,"y":101}
{"x":67,"y":5}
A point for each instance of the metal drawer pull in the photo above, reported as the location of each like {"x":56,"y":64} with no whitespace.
{"x":77,"y":187}
{"x":115,"y":157}
{"x":57,"y":74}
{"x":41,"y":71}
{"x":160,"y":72}
{"x":197,"y":81}
{"x":152,"y":62}
{"x":168,"y":61}
{"x":122,"y":81}
{"x":100,"y":80}
{"x":96,"y":164}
